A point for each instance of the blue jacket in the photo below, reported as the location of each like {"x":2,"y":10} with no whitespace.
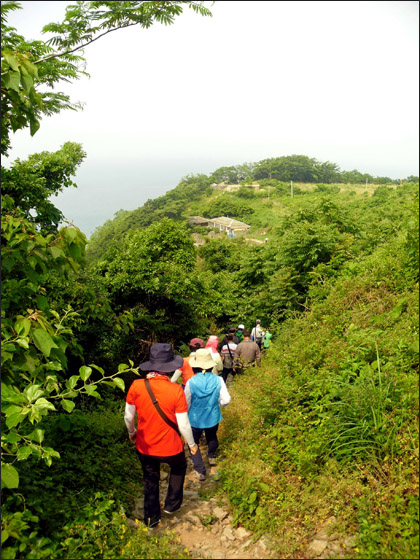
{"x":204,"y":410}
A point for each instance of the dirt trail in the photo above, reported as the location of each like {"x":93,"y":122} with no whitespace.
{"x":204,"y":523}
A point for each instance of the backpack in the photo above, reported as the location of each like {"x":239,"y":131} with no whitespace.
{"x":259,"y":333}
{"x":228,"y":358}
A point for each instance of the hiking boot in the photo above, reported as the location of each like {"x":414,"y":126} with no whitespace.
{"x":173,"y":511}
{"x":199,"y":475}
{"x":212,"y":461}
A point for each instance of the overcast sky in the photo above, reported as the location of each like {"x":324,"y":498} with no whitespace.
{"x":336,"y":81}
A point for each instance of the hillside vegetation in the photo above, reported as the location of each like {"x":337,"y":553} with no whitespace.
{"x":330,"y":419}
{"x":326,"y":430}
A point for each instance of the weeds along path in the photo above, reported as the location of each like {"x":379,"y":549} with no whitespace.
{"x":204,"y":524}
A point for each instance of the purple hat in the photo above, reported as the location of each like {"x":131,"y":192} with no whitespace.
{"x":162,"y":359}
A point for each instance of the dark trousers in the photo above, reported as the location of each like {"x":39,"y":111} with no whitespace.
{"x":212,"y":444}
{"x":225,"y":373}
{"x":151,"y":475}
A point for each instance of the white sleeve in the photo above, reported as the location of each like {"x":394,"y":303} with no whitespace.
{"x":129,"y":415}
{"x":224,"y":397}
{"x":219,"y":364}
{"x":187,"y":393}
{"x":176,"y":375}
{"x":185,"y":427}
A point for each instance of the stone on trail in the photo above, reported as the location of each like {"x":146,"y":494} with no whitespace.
{"x":317,"y":547}
{"x":220,"y":513}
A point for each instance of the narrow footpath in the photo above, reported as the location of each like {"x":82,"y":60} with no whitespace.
{"x":204,"y":524}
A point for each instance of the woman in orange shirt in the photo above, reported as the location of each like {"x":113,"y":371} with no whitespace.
{"x":158,"y":440}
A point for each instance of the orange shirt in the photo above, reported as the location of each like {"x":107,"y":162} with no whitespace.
{"x":154,"y":435}
{"x":187,"y":371}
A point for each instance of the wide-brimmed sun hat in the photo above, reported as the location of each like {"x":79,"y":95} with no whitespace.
{"x":162,"y":359}
{"x":202,"y":359}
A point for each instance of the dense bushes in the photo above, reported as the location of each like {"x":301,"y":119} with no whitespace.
{"x":332,"y":416}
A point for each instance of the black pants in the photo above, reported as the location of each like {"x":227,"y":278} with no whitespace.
{"x":151,"y":476}
{"x":211,"y":438}
{"x":225,"y":373}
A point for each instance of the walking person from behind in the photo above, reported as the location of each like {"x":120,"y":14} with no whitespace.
{"x":257,"y":333}
{"x":185,"y":370}
{"x":247,"y":353}
{"x":212,"y":344}
{"x":239,"y":333}
{"x":267,"y":339}
{"x":236,"y":340}
{"x":227,"y":352}
{"x":205,"y":394}
{"x":158,"y":438}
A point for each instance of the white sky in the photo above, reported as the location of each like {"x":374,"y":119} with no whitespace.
{"x":335,"y":81}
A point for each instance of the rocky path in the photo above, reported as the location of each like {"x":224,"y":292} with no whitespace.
{"x":204,"y":524}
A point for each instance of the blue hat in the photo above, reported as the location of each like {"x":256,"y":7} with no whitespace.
{"x":162,"y":359}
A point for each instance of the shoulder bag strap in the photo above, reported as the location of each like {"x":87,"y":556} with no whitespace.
{"x":160,"y":411}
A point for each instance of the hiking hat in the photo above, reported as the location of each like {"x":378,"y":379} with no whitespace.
{"x":258,"y":321}
{"x":197,"y":341}
{"x":202,"y":359}
{"x":162,"y":359}
{"x":241,"y":327}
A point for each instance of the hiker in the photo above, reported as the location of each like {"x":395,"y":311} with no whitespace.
{"x":236,"y":340}
{"x":247,"y":353}
{"x":239,"y":333}
{"x":159,"y":428}
{"x":227,"y":352}
{"x":212,"y":344}
{"x":185,"y":370}
{"x":257,"y":333}
{"x":205,"y":394}
{"x":267,"y":339}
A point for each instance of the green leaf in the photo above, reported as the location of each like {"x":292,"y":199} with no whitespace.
{"x":22,"y":326}
{"x":9,"y":476}
{"x":122,"y":367}
{"x":27,"y":82}
{"x":23,"y":453}
{"x":264,"y":487}
{"x":70,"y":233}
{"x":4,"y":536}
{"x":37,"y":435}
{"x":11,"y":60}
{"x":33,"y":392}
{"x":42,"y":302}
{"x":252,"y":497}
{"x":43,"y":403}
{"x":13,"y":409}
{"x":14,"y":420}
{"x":67,"y":405}
{"x":12,"y":437}
{"x":72,"y":382}
{"x":34,"y":125}
{"x":56,"y":252}
{"x":98,"y":368}
{"x":85,"y":372}
{"x":43,"y":341}
{"x":23,"y":342}
{"x":90,"y":389}
{"x":12,"y":81}
{"x":119,"y":383}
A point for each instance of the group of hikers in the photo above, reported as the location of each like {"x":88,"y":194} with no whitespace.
{"x":167,"y":410}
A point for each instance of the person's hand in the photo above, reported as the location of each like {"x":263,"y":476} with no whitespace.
{"x":133,"y":437}
{"x":194,"y":449}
